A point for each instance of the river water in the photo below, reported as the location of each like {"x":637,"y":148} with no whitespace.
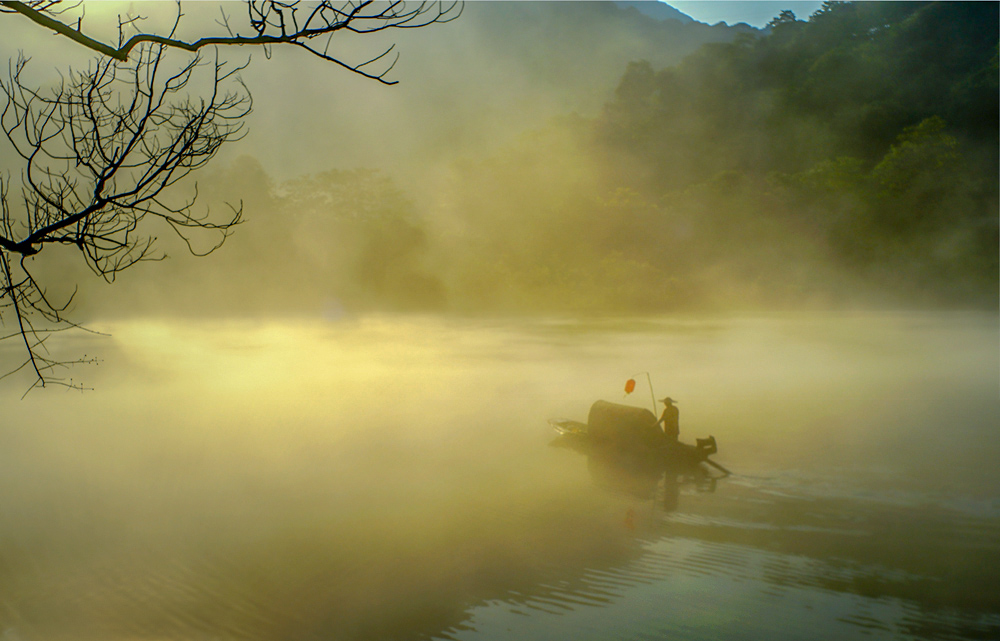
{"x":393,"y":478}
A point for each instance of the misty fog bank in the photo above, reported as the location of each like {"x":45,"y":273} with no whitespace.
{"x":379,"y":478}
{"x":468,"y":87}
{"x":755,"y":174}
{"x":581,"y":158}
{"x":914,"y":392}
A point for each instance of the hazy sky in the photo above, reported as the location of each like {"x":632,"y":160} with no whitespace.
{"x":757,"y":14}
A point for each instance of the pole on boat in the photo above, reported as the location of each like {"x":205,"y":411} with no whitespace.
{"x":630,"y":386}
{"x":652,"y":396}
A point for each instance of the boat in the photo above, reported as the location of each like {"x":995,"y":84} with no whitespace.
{"x":631,"y":436}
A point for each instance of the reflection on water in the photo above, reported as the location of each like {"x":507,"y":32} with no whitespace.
{"x":641,"y":473}
{"x":391,"y":478}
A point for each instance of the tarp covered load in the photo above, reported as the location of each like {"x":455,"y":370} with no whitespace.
{"x":624,"y":425}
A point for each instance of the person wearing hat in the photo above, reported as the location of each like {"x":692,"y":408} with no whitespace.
{"x":670,"y":419}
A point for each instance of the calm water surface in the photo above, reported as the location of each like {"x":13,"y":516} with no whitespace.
{"x":392,"y":478}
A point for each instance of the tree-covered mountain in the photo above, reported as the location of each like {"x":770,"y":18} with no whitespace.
{"x":847,"y":82}
{"x":656,"y":9}
{"x":848,"y":159}
{"x":871,"y":129}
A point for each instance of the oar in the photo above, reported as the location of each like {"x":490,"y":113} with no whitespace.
{"x":717,"y":466}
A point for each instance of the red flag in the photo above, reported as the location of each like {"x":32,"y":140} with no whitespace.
{"x":630,"y":386}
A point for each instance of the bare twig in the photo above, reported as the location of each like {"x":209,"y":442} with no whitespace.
{"x":101,"y":150}
{"x":309,"y":25}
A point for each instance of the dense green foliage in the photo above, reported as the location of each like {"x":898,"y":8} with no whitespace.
{"x":867,"y":135}
{"x":847,"y":82}
{"x":848,"y":159}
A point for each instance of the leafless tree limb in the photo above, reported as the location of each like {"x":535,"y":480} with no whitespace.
{"x":309,"y":25}
{"x":101,"y":151}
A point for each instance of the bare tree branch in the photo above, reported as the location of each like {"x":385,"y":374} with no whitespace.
{"x":310,"y":26}
{"x":102,"y":150}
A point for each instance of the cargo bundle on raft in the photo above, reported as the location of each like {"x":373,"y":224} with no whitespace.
{"x":633,"y":432}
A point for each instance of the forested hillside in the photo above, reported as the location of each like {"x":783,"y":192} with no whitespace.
{"x":851,"y":158}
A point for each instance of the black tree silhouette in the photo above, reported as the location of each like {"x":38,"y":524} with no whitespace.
{"x":101,"y":151}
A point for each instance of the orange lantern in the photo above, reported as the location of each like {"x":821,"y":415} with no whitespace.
{"x":630,"y":386}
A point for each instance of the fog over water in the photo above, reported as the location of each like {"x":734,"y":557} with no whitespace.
{"x":336,"y":425}
{"x":392,"y":476}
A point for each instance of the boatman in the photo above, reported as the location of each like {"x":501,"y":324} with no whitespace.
{"x":670,"y":419}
